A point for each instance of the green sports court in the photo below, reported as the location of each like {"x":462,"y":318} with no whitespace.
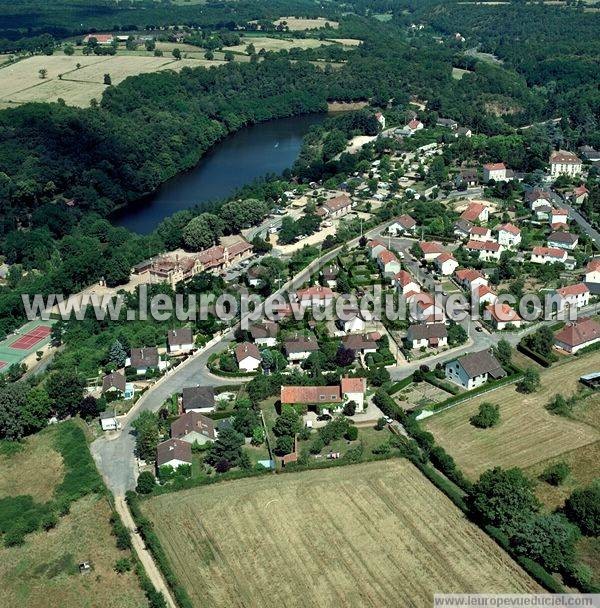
{"x":24,"y":341}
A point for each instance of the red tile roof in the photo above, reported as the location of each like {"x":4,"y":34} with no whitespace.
{"x":404,"y":278}
{"x":483,"y":245}
{"x":406,"y":221}
{"x":593,"y":265}
{"x":552,"y":252}
{"x":414,"y":124}
{"x":338,"y":202}
{"x":354,"y":385}
{"x":510,"y":228}
{"x":494,"y":166}
{"x":579,"y":332}
{"x":444,"y":257}
{"x":472,"y":212}
{"x":431,"y":247}
{"x":310,"y":394}
{"x":564,"y":157}
{"x":386,"y":256}
{"x":479,"y":230}
{"x":573,"y":290}
{"x":315,"y":291}
{"x":503,"y":313}
{"x":468,"y":275}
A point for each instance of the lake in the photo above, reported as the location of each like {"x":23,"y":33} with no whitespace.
{"x":252,"y":152}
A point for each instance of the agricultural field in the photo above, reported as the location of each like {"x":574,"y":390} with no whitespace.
{"x":276,"y":44}
{"x":43,"y":571}
{"x":527,"y":434}
{"x":362,"y":535}
{"x":20,"y":82}
{"x":298,"y":24}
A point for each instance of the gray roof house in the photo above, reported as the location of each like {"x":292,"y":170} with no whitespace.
{"x":144,"y":358}
{"x":198,"y":399}
{"x":474,"y":369}
{"x":194,"y":427}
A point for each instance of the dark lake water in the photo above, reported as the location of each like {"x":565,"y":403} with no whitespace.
{"x":252,"y":152}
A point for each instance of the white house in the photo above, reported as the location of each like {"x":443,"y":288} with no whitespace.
{"x":563,"y":240}
{"x":316,"y":295}
{"x":173,"y":453}
{"x":483,"y":295}
{"x":264,"y":334}
{"x":488,"y":250}
{"x":425,"y":309}
{"x":405,"y":283}
{"x":108,"y":421}
{"x":495,"y":171}
{"x":480,"y":233}
{"x":388,"y":263}
{"x":101,"y":39}
{"x":537,"y":198}
{"x":577,"y":295}
{"x":559,"y":216}
{"x":300,"y":347}
{"x":445,"y":264}
{"x":354,"y":389}
{"x":509,"y":236}
{"x":248,"y":357}
{"x":470,"y":279}
{"x":548,"y":255}
{"x":180,"y":340}
{"x":476,"y":212}
{"x":563,"y":162}
{"x":474,"y":369}
{"x":198,"y":399}
{"x":433,"y":335}
{"x":592,"y":275}
{"x":375,"y":247}
{"x":337,"y":206}
{"x":403,"y":225}
{"x":501,"y":315}
{"x":431,"y":250}
{"x":577,"y":335}
{"x":194,"y":427}
{"x":380,"y":118}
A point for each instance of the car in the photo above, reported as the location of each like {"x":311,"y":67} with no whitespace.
{"x":324,"y":417}
{"x":479,"y":328}
{"x":388,"y":419}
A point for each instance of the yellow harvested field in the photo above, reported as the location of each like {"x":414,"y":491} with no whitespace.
{"x":346,"y":41}
{"x":527,"y":433}
{"x":369,"y":535}
{"x":43,"y":464}
{"x":294,"y":23}
{"x":20,"y":82}
{"x":276,"y":44}
{"x":43,"y":573}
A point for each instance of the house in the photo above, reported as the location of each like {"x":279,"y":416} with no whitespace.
{"x":483,"y":295}
{"x":480,"y":233}
{"x":354,"y":389}
{"x":494,"y":171}
{"x":543,"y":212}
{"x":264,"y":334}
{"x":563,"y":162}
{"x":329,"y":274}
{"x":509,"y":236}
{"x":198,"y":399}
{"x":467,"y":177}
{"x":431,"y":250}
{"x":577,"y":335}
{"x":592,"y":275}
{"x":559,"y":216}
{"x":474,"y":369}
{"x":255,"y":275}
{"x":101,"y":39}
{"x":404,"y":224}
{"x":433,"y":335}
{"x":463,"y":132}
{"x":405,"y":283}
{"x":361,"y":343}
{"x":475,"y":212}
{"x":337,"y":206}
{"x":194,"y":427}
{"x":501,"y":315}
{"x":380,"y":118}
{"x":108,"y":421}
{"x":375,"y":247}
{"x":589,"y":153}
{"x":354,"y":320}
{"x":470,"y":279}
{"x":563,"y":240}
{"x":300,"y":347}
{"x":425,"y":309}
{"x":248,"y":357}
{"x":537,"y":198}
{"x":144,"y":359}
{"x":388,"y":263}
{"x":548,"y":255}
{"x":488,"y":250}
{"x":180,"y":340}
{"x":573,"y":296}
{"x":413,"y":126}
{"x":173,"y":453}
{"x":445,"y":264}
{"x":462,"y":228}
{"x":116,"y":383}
{"x":317,"y":295}
{"x":578,"y":195}
{"x":447,"y":122}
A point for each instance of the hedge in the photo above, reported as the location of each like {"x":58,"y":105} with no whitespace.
{"x":446,"y":386}
{"x":219,"y":372}
{"x":397,"y":386}
{"x":440,"y":482}
{"x":537,"y":357}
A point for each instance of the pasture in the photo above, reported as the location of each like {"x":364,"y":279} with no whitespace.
{"x":276,"y":44}
{"x":43,"y":571}
{"x":361,"y":535}
{"x":527,"y":433}
{"x":299,"y":24}
{"x":20,"y":82}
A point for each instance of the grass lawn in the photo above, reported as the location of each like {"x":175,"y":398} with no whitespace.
{"x":362,"y":535}
{"x":458,"y":73}
{"x":43,"y":571}
{"x":527,"y":433}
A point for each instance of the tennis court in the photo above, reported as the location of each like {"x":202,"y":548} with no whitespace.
{"x":24,"y":341}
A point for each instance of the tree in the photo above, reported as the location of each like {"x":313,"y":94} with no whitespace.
{"x":502,"y":498}
{"x":145,"y":483}
{"x":150,"y":44}
{"x":146,"y":435}
{"x":131,"y":43}
{"x":583,"y":509}
{"x":13,"y":400}
{"x":350,"y":408}
{"x":202,"y":231}
{"x":560,"y":406}
{"x":284,"y":445}
{"x":246,"y":419}
{"x":65,"y":389}
{"x":122,"y":565}
{"x":56,"y":333}
{"x":351,"y":434}
{"x":258,"y":436}
{"x":288,"y":423}
{"x":381,"y":423}
{"x":227,"y":447}
{"x":176,"y":53}
{"x":107,"y":79}
{"x":487,"y":416}
{"x":503,"y":352}
{"x":378,"y":375}
{"x":229,"y":56}
{"x":344,"y":357}
{"x":209,"y":55}
{"x":88,"y":408}
{"x":530,"y":381}
{"x":117,"y":354}
{"x":547,"y":539}
{"x":250,"y":49}
{"x":556,"y":474}
{"x":68,"y":49}
{"x":43,"y":72}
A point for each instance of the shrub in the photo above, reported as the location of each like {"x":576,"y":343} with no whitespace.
{"x":555,"y":474}
{"x":583,"y":509}
{"x":146,"y":483}
{"x":351,"y":434}
{"x":122,"y":565}
{"x":49,"y":521}
{"x":487,"y":416}
{"x":530,"y":382}
{"x":380,"y":425}
{"x":560,"y":406}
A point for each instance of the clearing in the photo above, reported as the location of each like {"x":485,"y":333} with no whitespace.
{"x":527,"y":433}
{"x":276,"y":44}
{"x":298,"y":24}
{"x":361,"y":535}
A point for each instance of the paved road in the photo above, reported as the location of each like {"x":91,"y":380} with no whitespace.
{"x":579,"y":219}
